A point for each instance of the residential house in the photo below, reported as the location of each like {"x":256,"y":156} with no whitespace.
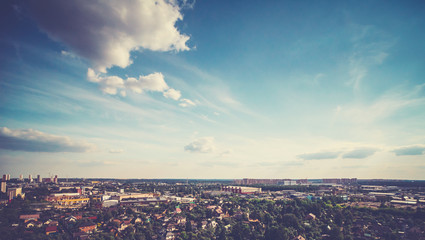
{"x":88,"y":228}
{"x":51,"y":230}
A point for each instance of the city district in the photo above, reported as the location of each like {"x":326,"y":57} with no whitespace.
{"x":337,"y":208}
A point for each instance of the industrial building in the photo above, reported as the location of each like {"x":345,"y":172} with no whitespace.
{"x":241,"y":190}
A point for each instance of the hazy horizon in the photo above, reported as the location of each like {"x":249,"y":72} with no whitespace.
{"x":213,"y":89}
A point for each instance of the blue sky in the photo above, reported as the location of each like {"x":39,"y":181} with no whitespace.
{"x":213,"y":89}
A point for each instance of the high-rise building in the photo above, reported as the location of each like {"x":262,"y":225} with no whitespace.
{"x":30,"y":178}
{"x":14,"y":192}
{"x":21,"y":177}
{"x":55,"y":180}
{"x":6,"y":177}
{"x":3,"y":187}
{"x":39,"y":178}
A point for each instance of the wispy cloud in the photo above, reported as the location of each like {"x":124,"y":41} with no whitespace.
{"x":30,"y":140}
{"x":360,"y":153}
{"x":366,"y":53}
{"x":319,"y":155}
{"x":212,"y":92}
{"x":383,"y":107}
{"x":186,"y":103}
{"x":201,"y":145}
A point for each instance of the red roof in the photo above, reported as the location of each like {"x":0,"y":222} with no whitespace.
{"x":51,"y":229}
{"x":29,"y":216}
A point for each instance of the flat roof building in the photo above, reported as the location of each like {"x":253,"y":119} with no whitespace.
{"x":241,"y":190}
{"x":3,"y":187}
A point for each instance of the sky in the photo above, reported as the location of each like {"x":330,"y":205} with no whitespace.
{"x":212,"y":89}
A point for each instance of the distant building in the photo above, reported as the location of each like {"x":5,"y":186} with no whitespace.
{"x":46,"y":180}
{"x":39,"y":178}
{"x":372,"y":188}
{"x":68,"y":200}
{"x":289,"y":182}
{"x":55,"y":180}
{"x":88,"y":228}
{"x":51,"y":229}
{"x":302,"y":181}
{"x":29,"y":217}
{"x":340,"y":180}
{"x":109,"y":203}
{"x":251,"y":181}
{"x":30,"y":178}
{"x":21,"y":177}
{"x":120,"y":196}
{"x":3,"y":187}
{"x":14,"y":192}
{"x":6,"y":177}
{"x":241,"y":190}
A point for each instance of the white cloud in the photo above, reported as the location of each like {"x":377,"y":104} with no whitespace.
{"x":201,"y":145}
{"x":105,"y":32}
{"x":186,"y":103}
{"x":111,"y":84}
{"x":153,"y":82}
{"x":30,"y":140}
{"x":67,"y":54}
{"x":173,"y":94}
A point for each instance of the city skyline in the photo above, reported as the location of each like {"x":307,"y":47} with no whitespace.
{"x":213,"y":89}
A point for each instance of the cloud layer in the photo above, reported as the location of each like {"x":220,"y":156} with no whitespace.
{"x":357,"y":153}
{"x":319,"y":155}
{"x":201,"y":145}
{"x":30,"y":140}
{"x":410,"y":150}
{"x":105,"y":32}
{"x":360,"y":153}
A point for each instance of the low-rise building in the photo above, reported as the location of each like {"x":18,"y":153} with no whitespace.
{"x":88,"y":228}
{"x":51,"y":230}
{"x":241,"y":190}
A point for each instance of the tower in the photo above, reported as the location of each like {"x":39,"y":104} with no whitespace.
{"x":3,"y":187}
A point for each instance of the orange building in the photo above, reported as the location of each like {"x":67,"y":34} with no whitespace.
{"x":88,"y":228}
